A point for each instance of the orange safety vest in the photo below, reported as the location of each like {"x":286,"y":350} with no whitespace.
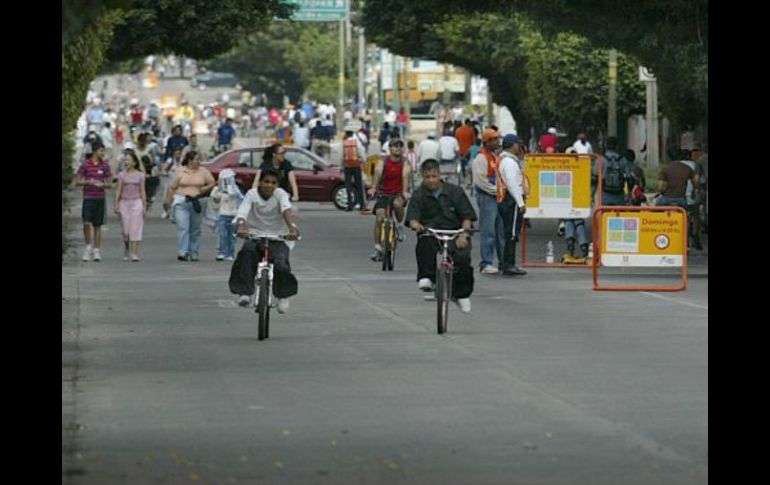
{"x":350,"y":153}
{"x":493,"y":173}
{"x":502,"y":189}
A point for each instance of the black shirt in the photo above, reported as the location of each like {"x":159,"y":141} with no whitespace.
{"x":448,"y":211}
{"x":283,"y":173}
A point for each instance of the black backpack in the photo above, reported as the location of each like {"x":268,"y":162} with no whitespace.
{"x":614,"y":178}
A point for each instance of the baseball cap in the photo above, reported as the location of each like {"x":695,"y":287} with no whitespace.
{"x":552,"y":130}
{"x":509,"y":140}
{"x":489,"y":134}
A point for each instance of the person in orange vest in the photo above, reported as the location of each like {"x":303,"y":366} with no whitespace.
{"x":353,"y":157}
{"x":510,"y":201}
{"x":485,"y":180}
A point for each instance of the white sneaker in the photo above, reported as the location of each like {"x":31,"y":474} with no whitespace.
{"x":283,"y":305}
{"x":244,"y":300}
{"x":125,"y":255}
{"x":229,"y":258}
{"x":464,"y":304}
{"x":489,"y":269}
{"x":164,"y":215}
{"x":97,"y":255}
{"x":87,"y":252}
{"x":425,"y":284}
{"x":220,"y":257}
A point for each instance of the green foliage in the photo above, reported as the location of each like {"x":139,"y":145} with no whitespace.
{"x":295,"y":59}
{"x":559,"y":80}
{"x":193,"y":28}
{"x":82,"y":56}
{"x":567,"y":83}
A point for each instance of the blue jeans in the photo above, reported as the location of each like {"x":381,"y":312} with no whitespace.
{"x":613,"y":199}
{"x":227,"y":239}
{"x":188,"y":229}
{"x":573,"y":226}
{"x":491,"y":226}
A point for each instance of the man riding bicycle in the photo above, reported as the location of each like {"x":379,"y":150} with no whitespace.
{"x":441,"y":205}
{"x":391,"y":181}
{"x":265,"y":210}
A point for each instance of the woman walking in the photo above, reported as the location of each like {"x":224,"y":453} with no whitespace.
{"x":131,"y":205}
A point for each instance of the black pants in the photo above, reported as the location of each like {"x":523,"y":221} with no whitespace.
{"x":512,"y":220}
{"x":245,"y":269}
{"x":354,"y":186}
{"x":151,"y":186}
{"x":462,"y":279}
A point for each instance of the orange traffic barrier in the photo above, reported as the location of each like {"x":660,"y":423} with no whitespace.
{"x":632,"y":246}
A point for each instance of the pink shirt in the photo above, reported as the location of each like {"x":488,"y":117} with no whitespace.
{"x":132,"y":183}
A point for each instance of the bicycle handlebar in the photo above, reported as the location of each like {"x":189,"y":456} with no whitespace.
{"x":445,"y":234}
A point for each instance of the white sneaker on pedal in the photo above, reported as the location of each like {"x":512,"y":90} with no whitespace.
{"x":283,"y":305}
{"x":244,"y":300}
{"x":425,"y":284}
{"x":464,"y":304}
{"x":490,"y":269}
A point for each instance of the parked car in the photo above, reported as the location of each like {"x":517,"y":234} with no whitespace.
{"x":215,"y":79}
{"x":316,"y":180}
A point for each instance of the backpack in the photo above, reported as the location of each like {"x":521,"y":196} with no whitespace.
{"x":614,"y":178}
{"x":350,"y":153}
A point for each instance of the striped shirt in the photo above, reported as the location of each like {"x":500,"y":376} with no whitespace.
{"x":95,"y":172}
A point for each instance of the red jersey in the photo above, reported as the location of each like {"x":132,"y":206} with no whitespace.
{"x":392,"y":182}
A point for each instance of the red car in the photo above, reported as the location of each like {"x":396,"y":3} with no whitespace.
{"x":316,"y":180}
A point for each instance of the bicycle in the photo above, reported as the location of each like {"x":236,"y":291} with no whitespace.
{"x":444,"y":271}
{"x":263,"y":282}
{"x":390,"y":235}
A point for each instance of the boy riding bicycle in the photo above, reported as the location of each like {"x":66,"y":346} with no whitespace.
{"x":265,"y":210}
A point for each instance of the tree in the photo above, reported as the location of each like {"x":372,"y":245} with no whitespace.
{"x":296,"y":59}
{"x":668,"y":36}
{"x":192,"y":28}
{"x":555,"y":81}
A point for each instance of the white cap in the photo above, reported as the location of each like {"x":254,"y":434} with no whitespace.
{"x":552,"y":130}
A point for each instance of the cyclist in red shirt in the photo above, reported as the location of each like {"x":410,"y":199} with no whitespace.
{"x":391,"y":179}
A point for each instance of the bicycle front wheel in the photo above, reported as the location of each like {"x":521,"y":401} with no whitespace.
{"x":387,"y":245}
{"x":263,"y":305}
{"x":443,"y":295}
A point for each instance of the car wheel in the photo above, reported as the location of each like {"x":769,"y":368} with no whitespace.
{"x":340,"y":197}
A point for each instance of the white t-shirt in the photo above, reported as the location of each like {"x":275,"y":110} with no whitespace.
{"x":390,"y":117}
{"x":510,"y":172}
{"x":448,"y":147}
{"x":302,"y":137}
{"x":265,"y":216}
{"x":427,"y":149}
{"x":688,"y":193}
{"x":581,"y":149}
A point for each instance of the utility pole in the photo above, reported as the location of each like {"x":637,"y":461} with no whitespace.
{"x":361,"y":68}
{"x":340,"y":105}
{"x":612,"y":100}
{"x":407,"y":94}
{"x":652,"y":152}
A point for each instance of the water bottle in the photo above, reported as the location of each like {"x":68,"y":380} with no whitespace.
{"x":549,"y":253}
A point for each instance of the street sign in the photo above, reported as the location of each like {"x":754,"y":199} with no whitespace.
{"x":642,"y":238}
{"x":645,"y":74}
{"x":320,"y":10}
{"x":559,"y":186}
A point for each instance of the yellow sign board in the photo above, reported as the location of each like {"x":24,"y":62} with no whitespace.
{"x":635,"y":238}
{"x":559,"y":186}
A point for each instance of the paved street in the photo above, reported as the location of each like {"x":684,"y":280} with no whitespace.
{"x":545,"y":382}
